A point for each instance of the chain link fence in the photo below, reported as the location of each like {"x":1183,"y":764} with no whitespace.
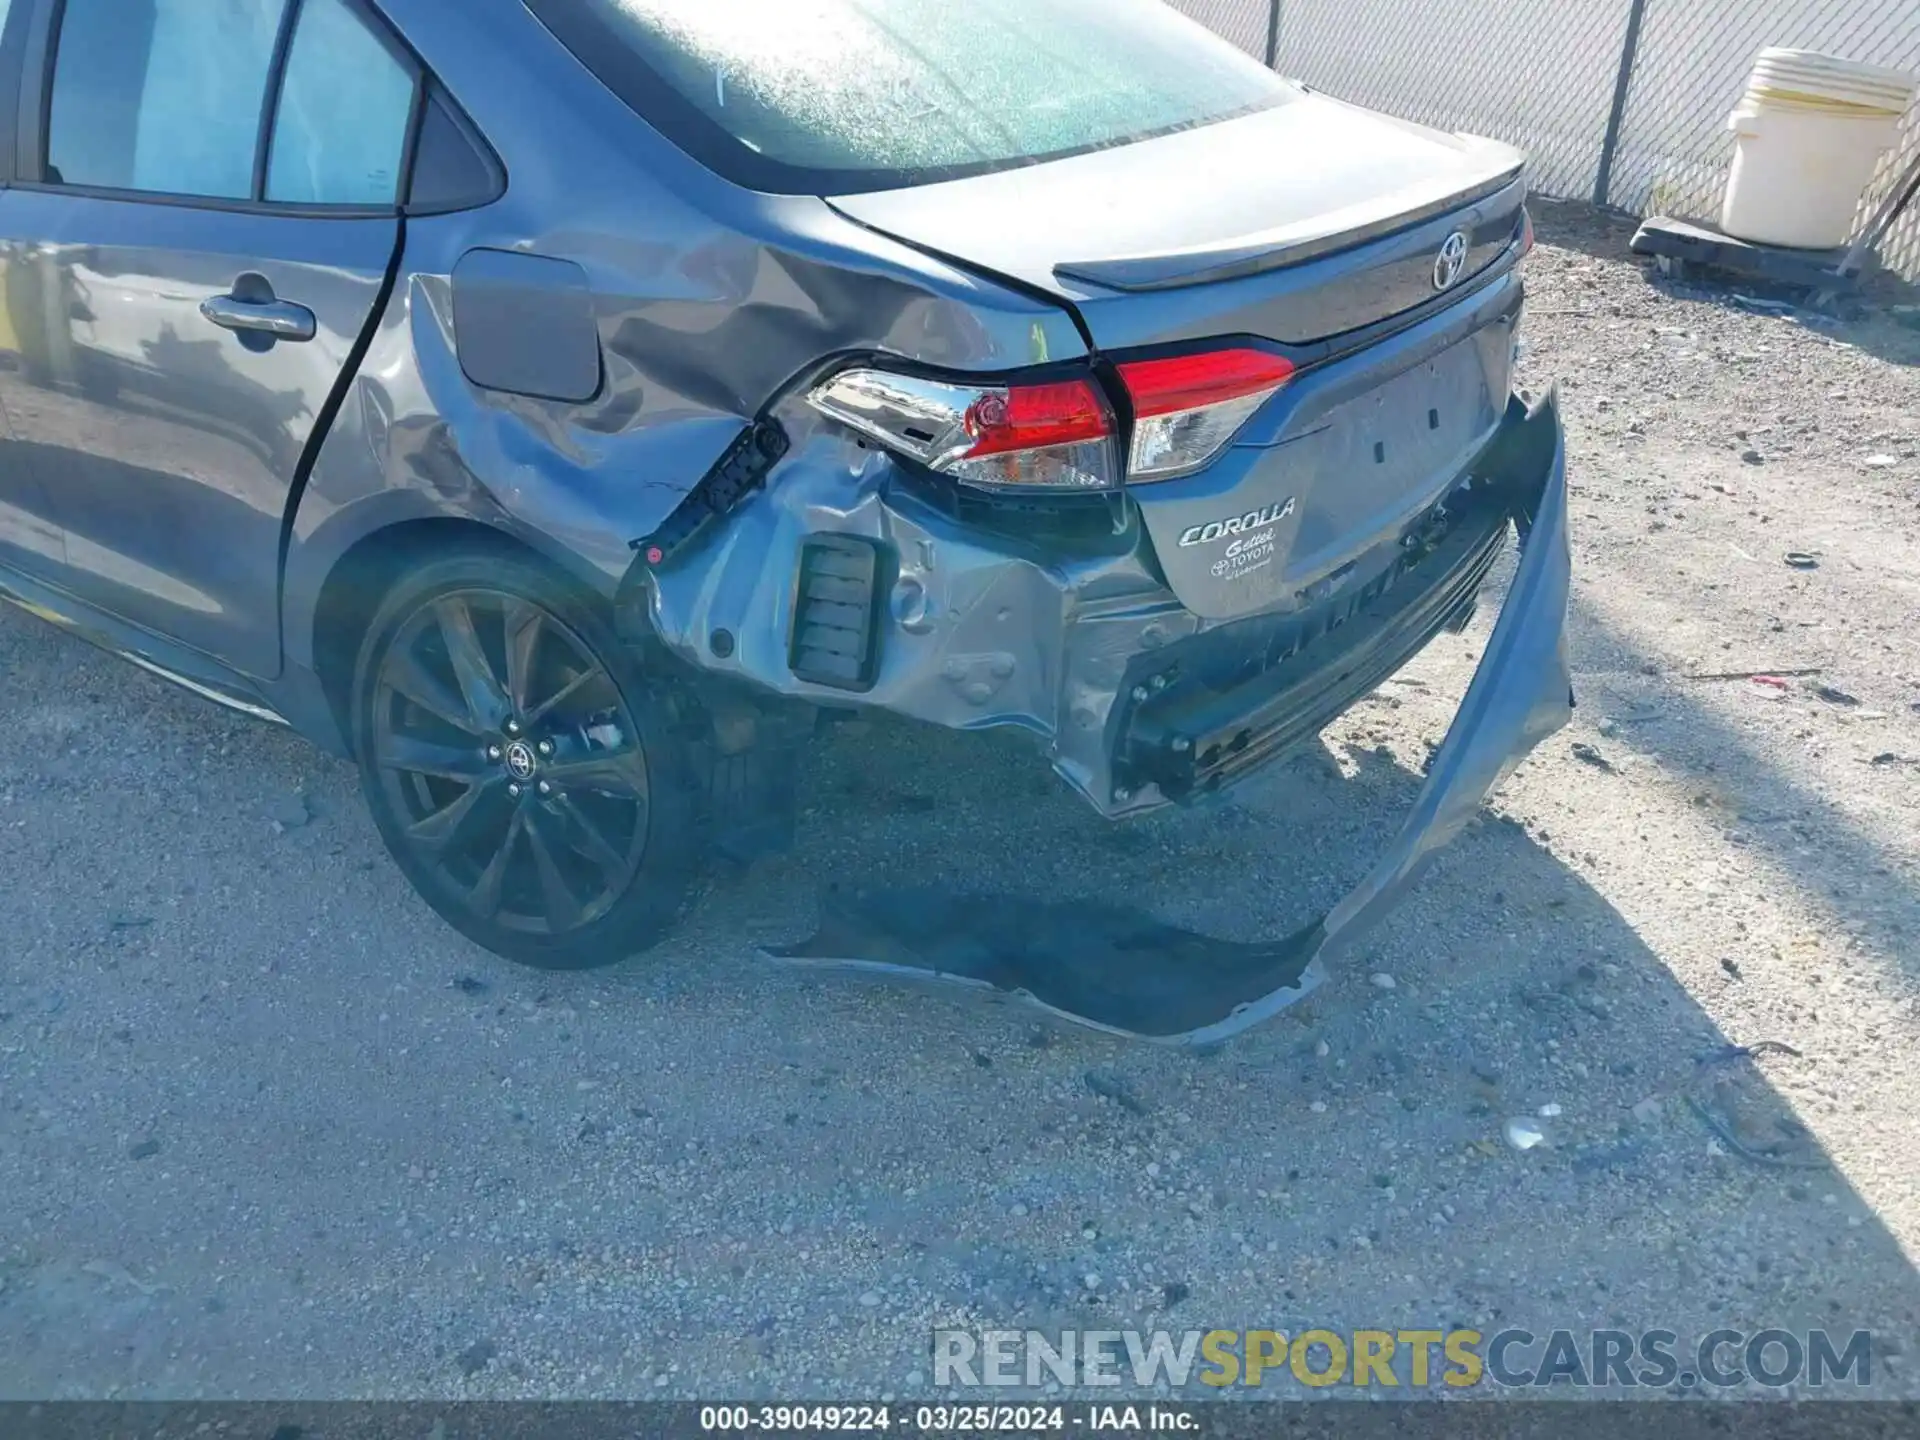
{"x":1691,"y":69}
{"x":1247,"y":23}
{"x":1555,"y":77}
{"x":1539,"y":76}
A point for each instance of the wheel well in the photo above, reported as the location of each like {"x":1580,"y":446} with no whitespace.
{"x":748,"y":744}
{"x":359,"y":582}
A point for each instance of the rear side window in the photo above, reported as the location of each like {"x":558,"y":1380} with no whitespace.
{"x":832,"y":96}
{"x":162,"y":95}
{"x":173,"y":97}
{"x":340,"y":133}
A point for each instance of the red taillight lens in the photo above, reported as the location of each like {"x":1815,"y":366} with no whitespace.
{"x":1188,"y":382}
{"x":1027,"y":417}
{"x":1056,"y":436}
{"x":1186,"y":408}
{"x":1526,"y":233}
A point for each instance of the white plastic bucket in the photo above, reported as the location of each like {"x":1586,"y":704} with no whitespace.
{"x":1808,"y":134}
{"x":1784,"y":74}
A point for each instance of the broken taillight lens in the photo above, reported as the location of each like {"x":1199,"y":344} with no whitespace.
{"x":1059,"y":435}
{"x":1055,"y":436}
{"x":1186,"y":408}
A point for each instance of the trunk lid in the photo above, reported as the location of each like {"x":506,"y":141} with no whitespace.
{"x":1320,"y":202}
{"x":1319,"y":227}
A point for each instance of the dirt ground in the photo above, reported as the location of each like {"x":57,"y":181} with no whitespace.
{"x":267,"y":1128}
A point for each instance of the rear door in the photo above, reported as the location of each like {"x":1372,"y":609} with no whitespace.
{"x":211,"y":200}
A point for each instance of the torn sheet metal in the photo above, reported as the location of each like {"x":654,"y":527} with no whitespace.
{"x":1095,"y":964}
{"x":1127,"y":974}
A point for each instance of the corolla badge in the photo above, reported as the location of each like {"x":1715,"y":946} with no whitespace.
{"x":1238,"y":524}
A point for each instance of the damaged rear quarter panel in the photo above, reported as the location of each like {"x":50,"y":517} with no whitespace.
{"x":707,"y":300}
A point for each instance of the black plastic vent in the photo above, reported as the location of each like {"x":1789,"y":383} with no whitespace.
{"x":836,"y":613}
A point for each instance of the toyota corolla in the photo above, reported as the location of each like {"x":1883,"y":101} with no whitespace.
{"x":558,"y":405}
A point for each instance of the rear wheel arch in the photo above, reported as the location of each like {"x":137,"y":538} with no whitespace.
{"x":361,"y":579}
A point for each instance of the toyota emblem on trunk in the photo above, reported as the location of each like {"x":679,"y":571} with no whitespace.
{"x":1452,"y":261}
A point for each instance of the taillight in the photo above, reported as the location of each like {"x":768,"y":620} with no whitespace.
{"x":1188,"y":407}
{"x":1526,"y":233}
{"x":1059,"y":435}
{"x":1049,"y":437}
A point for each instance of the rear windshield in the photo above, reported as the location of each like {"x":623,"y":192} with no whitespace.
{"x":836,"y":96}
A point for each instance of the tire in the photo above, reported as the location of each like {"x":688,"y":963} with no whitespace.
{"x":530,"y":781}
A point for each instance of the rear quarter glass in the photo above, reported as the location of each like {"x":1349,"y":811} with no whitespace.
{"x":835,"y":97}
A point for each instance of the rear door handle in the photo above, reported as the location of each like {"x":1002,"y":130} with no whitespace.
{"x":279,"y":319}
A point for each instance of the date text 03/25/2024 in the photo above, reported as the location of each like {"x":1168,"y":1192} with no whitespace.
{"x":944,"y":1419}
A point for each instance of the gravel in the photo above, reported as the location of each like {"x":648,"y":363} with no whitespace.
{"x":267,"y":1128}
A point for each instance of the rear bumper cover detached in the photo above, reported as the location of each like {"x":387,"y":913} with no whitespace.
{"x":1238,"y":696}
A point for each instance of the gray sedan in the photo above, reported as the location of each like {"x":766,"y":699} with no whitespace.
{"x":561,"y":406}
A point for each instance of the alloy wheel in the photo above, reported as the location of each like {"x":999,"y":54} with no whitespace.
{"x":512,"y":762}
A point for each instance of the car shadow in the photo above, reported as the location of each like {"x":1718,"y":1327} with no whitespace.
{"x":1371,"y":1121}
{"x":1868,"y":891}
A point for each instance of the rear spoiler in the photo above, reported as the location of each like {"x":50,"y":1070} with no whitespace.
{"x":1308,"y":239}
